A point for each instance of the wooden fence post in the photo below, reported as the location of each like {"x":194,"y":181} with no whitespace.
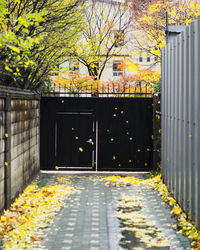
{"x":7,"y":165}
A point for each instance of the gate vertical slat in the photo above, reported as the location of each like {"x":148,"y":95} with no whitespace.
{"x":186,"y":101}
{"x":167,"y":115}
{"x":191,"y":116}
{"x":171,"y":158}
{"x":189,"y":120}
{"x":163,"y":119}
{"x":184,"y":124}
{"x":198,"y":152}
{"x":174,"y":174}
{"x":197,"y":118}
{"x":180,"y":182}
{"x":177,"y":121}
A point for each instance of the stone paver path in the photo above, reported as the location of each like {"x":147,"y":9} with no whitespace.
{"x":88,"y":219}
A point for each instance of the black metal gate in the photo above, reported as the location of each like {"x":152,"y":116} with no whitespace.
{"x":96,"y":133}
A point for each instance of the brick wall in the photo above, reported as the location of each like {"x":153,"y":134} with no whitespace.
{"x":19,"y":140}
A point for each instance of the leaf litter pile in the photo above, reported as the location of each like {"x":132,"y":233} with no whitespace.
{"x":23,"y":223}
{"x":138,"y":227}
{"x":141,"y":228}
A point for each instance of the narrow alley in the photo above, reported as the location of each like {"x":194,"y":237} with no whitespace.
{"x":104,"y":213}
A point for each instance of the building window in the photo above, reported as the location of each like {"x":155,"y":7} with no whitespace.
{"x":148,"y":59}
{"x":119,"y":38}
{"x":117,"y":70}
{"x":73,"y":66}
{"x":140,"y":59}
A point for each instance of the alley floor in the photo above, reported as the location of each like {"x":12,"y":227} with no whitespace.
{"x":89,"y":219}
{"x":92,"y":218}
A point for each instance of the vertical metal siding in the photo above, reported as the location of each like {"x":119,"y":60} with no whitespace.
{"x":180,"y":93}
{"x":197,"y":119}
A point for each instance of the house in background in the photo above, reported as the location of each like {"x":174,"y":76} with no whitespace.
{"x":112,"y":20}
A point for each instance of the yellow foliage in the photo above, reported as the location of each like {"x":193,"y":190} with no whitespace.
{"x":151,"y":23}
{"x":72,"y":82}
{"x":187,"y":227}
{"x":176,"y":210}
{"x":21,"y":224}
{"x":132,"y":67}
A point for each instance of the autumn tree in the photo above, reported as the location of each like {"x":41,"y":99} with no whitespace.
{"x":150,"y":22}
{"x":104,"y":36}
{"x":35,"y":37}
{"x":136,"y":80}
{"x":73,"y":83}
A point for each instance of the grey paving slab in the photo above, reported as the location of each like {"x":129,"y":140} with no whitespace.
{"x":88,"y":220}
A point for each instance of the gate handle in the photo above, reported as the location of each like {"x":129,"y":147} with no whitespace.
{"x":90,"y":141}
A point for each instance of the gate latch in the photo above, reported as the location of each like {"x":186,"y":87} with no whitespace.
{"x":90,"y":141}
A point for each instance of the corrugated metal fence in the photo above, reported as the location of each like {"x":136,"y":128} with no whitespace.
{"x":181,"y":118}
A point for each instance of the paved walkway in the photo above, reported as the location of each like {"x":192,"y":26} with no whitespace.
{"x":88,"y":220}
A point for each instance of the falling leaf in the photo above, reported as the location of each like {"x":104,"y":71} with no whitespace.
{"x":122,"y":112}
{"x":130,"y":138}
{"x":130,"y":160}
{"x":73,"y":128}
{"x":111,"y":139}
{"x":6,"y":135}
{"x":56,"y":167}
{"x":139,"y":150}
{"x":145,"y":164}
{"x":62,"y":101}
{"x":114,"y":115}
{"x":80,"y":149}
{"x":114,"y":157}
{"x":126,"y":121}
{"x":76,"y":137}
{"x":6,"y":163}
{"x":115,"y":108}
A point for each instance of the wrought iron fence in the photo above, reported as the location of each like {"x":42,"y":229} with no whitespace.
{"x":99,"y":90}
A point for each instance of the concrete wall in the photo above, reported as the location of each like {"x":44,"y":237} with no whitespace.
{"x":19,"y":142}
